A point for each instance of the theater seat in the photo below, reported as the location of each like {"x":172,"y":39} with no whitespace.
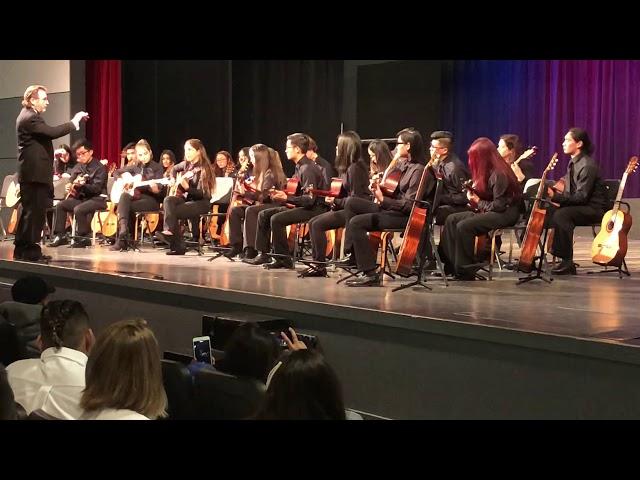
{"x":219,"y":396}
{"x":178,"y":384}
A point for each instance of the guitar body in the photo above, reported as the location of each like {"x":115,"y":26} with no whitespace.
{"x":390,"y":184}
{"x":411,"y":241}
{"x":213,"y":224}
{"x":610,"y":245}
{"x":531,"y":239}
{"x":13,"y":194}
{"x":153,"y":220}
{"x":15,"y":219}
{"x":110,"y":222}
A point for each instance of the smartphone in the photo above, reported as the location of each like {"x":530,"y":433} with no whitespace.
{"x":202,"y":350}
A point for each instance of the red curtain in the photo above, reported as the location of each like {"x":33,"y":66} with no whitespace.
{"x":104,"y":105}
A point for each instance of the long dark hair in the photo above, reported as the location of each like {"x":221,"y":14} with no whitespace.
{"x":304,"y":387}
{"x":207,"y":177}
{"x":349,"y":150}
{"x":485,"y":159}
{"x":251,"y":352}
{"x":382,"y":153}
{"x":514,"y":144}
{"x":266,"y":158}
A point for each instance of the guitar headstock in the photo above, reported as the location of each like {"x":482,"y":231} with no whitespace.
{"x":632,"y":166}
{"x":552,"y":162}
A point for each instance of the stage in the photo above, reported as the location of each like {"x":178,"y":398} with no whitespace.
{"x":483,"y":349}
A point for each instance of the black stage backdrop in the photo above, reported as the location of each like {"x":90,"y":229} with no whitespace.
{"x":231,"y":104}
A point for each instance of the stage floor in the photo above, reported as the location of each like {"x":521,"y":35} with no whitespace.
{"x":595,"y":307}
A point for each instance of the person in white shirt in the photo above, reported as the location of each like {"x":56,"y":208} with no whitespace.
{"x":124,"y":375}
{"x":54,"y":382}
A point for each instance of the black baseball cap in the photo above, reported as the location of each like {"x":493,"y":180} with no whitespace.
{"x":31,"y":290}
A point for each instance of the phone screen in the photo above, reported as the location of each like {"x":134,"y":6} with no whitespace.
{"x":202,"y":350}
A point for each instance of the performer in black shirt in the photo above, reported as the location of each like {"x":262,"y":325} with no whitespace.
{"x":496,"y":195}
{"x":144,"y":199}
{"x":583,"y":202}
{"x":306,"y":207}
{"x":511,"y":150}
{"x":87,"y":193}
{"x":354,"y":173}
{"x":328,"y":170}
{"x":384,"y":212}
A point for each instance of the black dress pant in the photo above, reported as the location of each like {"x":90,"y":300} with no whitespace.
{"x":251,"y":223}
{"x":364,"y":216}
{"x":564,"y":220}
{"x":177,"y":208}
{"x":83,"y":211}
{"x":319,"y":226}
{"x":460,"y":229}
{"x":35,"y":199}
{"x":274,"y":221}
{"x":128,"y":206}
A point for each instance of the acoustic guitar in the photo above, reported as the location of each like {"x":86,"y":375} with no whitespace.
{"x":610,"y":245}
{"x":13,"y":194}
{"x":535,"y":223}
{"x":128,"y":183}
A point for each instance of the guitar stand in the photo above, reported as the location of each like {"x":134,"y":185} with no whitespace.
{"x":541,"y":259}
{"x":220,"y":251}
{"x":314,"y":266}
{"x":620,"y":270}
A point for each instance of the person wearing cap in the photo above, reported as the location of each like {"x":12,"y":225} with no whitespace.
{"x":52,"y":385}
{"x":28,"y":294}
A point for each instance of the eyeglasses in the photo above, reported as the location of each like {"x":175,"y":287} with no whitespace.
{"x":436,"y":148}
{"x":401,"y":143}
{"x":78,"y":154}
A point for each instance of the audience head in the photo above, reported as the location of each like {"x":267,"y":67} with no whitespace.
{"x":124,"y":371}
{"x":250,"y":352}
{"x":31,"y":289}
{"x":303,"y":387}
{"x":65,"y":323}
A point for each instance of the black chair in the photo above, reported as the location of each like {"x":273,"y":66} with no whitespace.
{"x":178,"y":384}
{"x":11,"y":349}
{"x":219,"y":396}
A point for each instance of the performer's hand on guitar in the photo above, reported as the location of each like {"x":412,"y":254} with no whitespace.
{"x":329,"y":200}
{"x":377,"y":193}
{"x":278,"y":195}
{"x":155,"y":188}
{"x":472,"y":197}
{"x":518,"y":171}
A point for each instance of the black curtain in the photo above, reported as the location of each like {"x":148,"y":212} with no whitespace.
{"x":274,"y":98}
{"x":168,"y":102}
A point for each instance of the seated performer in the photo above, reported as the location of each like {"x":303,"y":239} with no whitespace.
{"x":328,"y":169}
{"x":384,"y":212}
{"x":190,"y":196}
{"x":144,"y":199}
{"x":167,"y":160}
{"x":268,"y":174}
{"x":379,"y":155}
{"x":511,"y":150}
{"x":275,"y":220}
{"x":354,"y":173}
{"x":63,"y":162}
{"x":495,"y":195}
{"x":583,"y":202}
{"x":87,"y":192}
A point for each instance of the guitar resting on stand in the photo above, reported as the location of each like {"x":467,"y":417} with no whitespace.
{"x":610,"y":245}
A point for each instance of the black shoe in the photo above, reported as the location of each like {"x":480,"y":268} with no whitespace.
{"x":566,"y":267}
{"x":59,"y":240}
{"x":314,"y":272}
{"x":80,"y":243}
{"x":258,"y":260}
{"x":366,"y":280}
{"x":121,"y":245}
{"x":235,"y":250}
{"x":249,"y":253}
{"x":177,"y":252}
{"x":278,"y":263}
